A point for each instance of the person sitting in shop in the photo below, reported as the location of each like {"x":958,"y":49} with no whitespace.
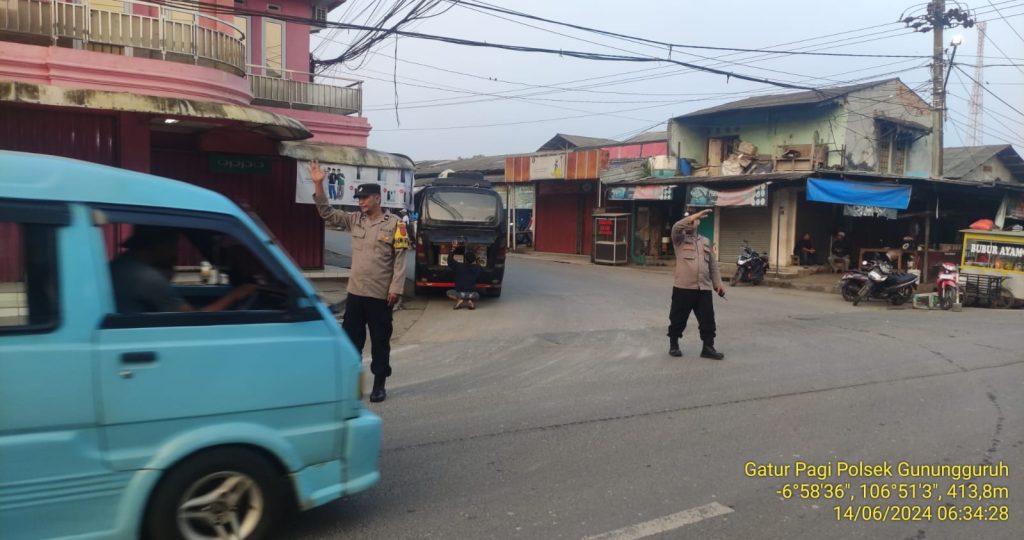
{"x":805,"y":251}
{"x":839,"y":258}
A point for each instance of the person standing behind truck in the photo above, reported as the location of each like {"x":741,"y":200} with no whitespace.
{"x":379,"y":241}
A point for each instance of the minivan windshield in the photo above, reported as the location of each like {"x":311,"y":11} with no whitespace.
{"x":462,"y":207}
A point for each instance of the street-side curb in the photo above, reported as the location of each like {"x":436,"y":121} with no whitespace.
{"x":791,"y":284}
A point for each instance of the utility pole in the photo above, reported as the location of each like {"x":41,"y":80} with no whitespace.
{"x":936,"y":13}
{"x":936,"y":19}
{"x":977,"y":94}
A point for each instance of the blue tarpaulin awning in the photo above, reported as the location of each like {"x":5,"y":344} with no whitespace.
{"x":858,"y":193}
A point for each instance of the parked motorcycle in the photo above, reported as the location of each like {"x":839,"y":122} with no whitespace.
{"x":751,"y":266}
{"x":883,"y":282}
{"x":948,"y":286}
{"x":851,"y":282}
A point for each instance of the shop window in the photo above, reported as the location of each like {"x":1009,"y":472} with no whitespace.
{"x":273,"y":47}
{"x":994,"y":254}
{"x":893,"y":146}
{"x":241,"y":23}
{"x":720,"y":148}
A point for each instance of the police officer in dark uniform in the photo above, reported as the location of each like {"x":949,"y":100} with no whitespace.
{"x":379,"y":244}
{"x":696,"y":276}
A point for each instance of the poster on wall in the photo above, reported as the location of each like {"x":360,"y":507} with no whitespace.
{"x":522,"y":197}
{"x":751,"y":196}
{"x":341,"y":182}
{"x":547,"y":167}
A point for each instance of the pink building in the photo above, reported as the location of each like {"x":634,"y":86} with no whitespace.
{"x":218,"y":98}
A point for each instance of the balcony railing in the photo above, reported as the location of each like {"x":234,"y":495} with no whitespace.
{"x":292,"y":89}
{"x":147,"y":29}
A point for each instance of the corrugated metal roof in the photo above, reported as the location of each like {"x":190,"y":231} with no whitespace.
{"x":624,"y":173}
{"x":562,"y":141}
{"x":810,"y":97}
{"x":343,"y":155}
{"x":958,"y":162}
{"x":651,"y":136}
{"x":482,"y":164}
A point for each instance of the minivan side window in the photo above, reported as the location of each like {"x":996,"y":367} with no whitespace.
{"x":169,"y":269}
{"x":29,"y":286}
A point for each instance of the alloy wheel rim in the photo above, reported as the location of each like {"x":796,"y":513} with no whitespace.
{"x":225,"y":505}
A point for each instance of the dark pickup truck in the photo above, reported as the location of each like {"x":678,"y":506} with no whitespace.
{"x":463,"y":208}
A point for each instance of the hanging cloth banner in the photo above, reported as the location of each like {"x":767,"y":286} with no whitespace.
{"x":640,"y":193}
{"x":750,"y":196}
{"x":869,"y":211}
{"x":858,"y":193}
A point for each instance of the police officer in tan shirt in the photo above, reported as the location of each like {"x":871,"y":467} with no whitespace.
{"x":379,"y":241}
{"x":696,"y":275}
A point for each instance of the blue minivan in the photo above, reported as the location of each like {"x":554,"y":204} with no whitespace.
{"x":165,"y":370}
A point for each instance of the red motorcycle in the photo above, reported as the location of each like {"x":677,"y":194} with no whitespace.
{"x":948,"y":286}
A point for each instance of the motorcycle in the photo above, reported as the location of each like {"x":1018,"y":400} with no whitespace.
{"x":851,"y":282}
{"x":750,"y":266}
{"x":897,"y":287}
{"x":948,"y":286}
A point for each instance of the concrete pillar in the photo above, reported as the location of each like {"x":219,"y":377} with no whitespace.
{"x":783,"y":226}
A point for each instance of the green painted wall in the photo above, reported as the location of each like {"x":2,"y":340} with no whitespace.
{"x":764,"y":128}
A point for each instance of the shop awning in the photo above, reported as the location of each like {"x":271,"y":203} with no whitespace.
{"x":344,"y":155}
{"x":640,"y":193}
{"x":858,"y":193}
{"x":273,"y":126}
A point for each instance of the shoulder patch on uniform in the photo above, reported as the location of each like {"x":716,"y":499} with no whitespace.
{"x":401,"y":237}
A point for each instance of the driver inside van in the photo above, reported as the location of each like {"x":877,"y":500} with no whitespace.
{"x":142,"y":276}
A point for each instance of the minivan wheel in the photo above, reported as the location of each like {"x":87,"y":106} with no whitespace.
{"x":220,"y":494}
{"x":493,"y":292}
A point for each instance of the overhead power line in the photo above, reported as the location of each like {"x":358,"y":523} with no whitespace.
{"x":665,"y":44}
{"x":1012,"y":27}
{"x":991,"y":93}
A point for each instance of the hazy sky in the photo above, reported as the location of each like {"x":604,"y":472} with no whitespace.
{"x":528,"y":97}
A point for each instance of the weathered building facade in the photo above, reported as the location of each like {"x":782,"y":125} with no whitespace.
{"x":879,"y":129}
{"x":219,"y":98}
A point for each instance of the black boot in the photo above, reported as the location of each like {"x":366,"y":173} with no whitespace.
{"x":378,"y":393}
{"x":709,"y":351}
{"x":673,"y":347}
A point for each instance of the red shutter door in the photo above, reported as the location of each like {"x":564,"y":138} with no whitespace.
{"x":272,"y":197}
{"x":89,"y":137}
{"x":556,"y":223}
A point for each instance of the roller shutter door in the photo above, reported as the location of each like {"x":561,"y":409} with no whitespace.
{"x":750,"y":223}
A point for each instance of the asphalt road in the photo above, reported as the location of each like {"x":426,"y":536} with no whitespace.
{"x":555,"y":412}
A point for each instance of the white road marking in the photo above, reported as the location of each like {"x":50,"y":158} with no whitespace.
{"x":665,"y":523}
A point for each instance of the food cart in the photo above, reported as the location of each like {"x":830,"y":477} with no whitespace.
{"x":992,"y":268}
{"x":611,"y":239}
